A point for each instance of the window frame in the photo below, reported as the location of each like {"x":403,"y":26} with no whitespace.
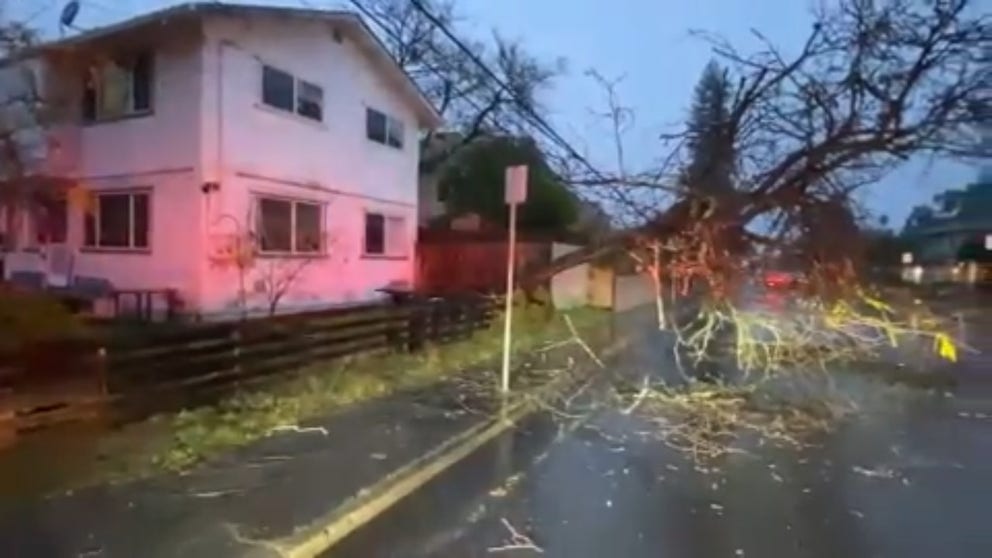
{"x":388,"y":252}
{"x":295,"y":99}
{"x":293,"y":202}
{"x":129,"y":64}
{"x":91,"y":217}
{"x":394,"y":130}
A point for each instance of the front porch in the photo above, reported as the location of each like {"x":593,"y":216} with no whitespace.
{"x":40,"y":253}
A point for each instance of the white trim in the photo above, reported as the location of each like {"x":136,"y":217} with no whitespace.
{"x":356,"y":28}
{"x":317,"y":187}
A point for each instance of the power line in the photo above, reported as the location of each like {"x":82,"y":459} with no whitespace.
{"x":525,"y":110}
{"x":432,"y":68}
{"x":536,"y":119}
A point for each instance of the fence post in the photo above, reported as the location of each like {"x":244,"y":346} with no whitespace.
{"x":436,"y":317}
{"x":101,"y":370}
{"x":464,"y":319}
{"x":393,"y":334}
{"x":236,"y":351}
{"x":416,"y":327}
{"x":457,"y":323}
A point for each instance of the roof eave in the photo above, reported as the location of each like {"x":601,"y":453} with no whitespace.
{"x":427,"y":113}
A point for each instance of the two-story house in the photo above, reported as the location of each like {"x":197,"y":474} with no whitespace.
{"x":204,"y":127}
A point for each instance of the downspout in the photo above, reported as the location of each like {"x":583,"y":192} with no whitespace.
{"x":209,"y":194}
{"x":220,"y":112}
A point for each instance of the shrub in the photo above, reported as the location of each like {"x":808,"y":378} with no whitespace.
{"x":28,"y":318}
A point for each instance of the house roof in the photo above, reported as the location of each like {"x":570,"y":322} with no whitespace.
{"x":961,"y":211}
{"x":350,"y":23}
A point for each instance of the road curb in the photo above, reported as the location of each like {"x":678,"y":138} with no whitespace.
{"x":369,"y":503}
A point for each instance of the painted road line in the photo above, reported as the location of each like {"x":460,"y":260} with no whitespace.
{"x":344,"y":520}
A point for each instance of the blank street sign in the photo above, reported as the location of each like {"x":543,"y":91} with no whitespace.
{"x":516,"y":184}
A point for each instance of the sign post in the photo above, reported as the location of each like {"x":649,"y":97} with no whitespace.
{"x":516,"y":193}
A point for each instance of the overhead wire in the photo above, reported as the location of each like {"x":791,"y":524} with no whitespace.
{"x":536,"y":119}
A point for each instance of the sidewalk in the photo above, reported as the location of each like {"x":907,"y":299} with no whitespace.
{"x":286,"y":485}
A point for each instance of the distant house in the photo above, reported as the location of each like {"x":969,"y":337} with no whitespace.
{"x":203,"y":124}
{"x":436,"y":151}
{"x":956,"y":223}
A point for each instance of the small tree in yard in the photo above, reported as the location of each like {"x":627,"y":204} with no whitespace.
{"x":22,"y":115}
{"x":26,"y":318}
{"x":272,"y":278}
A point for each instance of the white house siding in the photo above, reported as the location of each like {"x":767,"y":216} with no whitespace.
{"x":252,"y":149}
{"x":174,"y":238}
{"x":159,"y":152}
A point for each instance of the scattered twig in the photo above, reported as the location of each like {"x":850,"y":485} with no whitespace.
{"x":877,"y":473}
{"x":518,"y":541}
{"x":298,"y":429}
{"x":705,"y":422}
{"x":578,"y":339}
{"x":640,"y":396}
{"x":211,"y":494}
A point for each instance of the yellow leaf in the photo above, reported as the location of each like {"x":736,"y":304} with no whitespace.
{"x":877,"y":304}
{"x":945,"y":347}
{"x":892,"y":337}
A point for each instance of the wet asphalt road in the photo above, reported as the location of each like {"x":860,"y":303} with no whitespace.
{"x":915,"y":486}
{"x":909,"y":477}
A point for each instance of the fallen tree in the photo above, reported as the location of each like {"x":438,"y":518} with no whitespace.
{"x":874,"y":84}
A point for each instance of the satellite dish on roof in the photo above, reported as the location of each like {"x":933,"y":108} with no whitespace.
{"x":68,"y":15}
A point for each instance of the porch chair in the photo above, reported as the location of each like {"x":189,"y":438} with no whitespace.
{"x":22,"y":263}
{"x":59,"y":265}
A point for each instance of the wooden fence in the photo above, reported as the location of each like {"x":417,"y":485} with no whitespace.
{"x":473,"y":265}
{"x":153,"y":371}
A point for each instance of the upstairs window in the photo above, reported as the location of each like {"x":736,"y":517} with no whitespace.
{"x":384,"y":129}
{"x":281,"y":90}
{"x":118,"y":87}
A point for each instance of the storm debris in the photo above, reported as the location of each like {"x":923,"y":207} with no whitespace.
{"x":879,"y":472}
{"x":518,"y":541}
{"x":299,"y":430}
{"x":706,"y":422}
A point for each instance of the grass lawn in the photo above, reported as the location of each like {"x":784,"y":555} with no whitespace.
{"x":178,"y":441}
